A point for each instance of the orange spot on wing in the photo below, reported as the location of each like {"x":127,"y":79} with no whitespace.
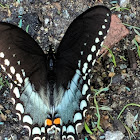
{"x":57,"y":121}
{"x":48,"y":122}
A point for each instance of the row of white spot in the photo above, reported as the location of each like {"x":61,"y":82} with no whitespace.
{"x":12,"y":69}
{"x":28,"y":119}
{"x":93,"y":49}
{"x":77,"y":117}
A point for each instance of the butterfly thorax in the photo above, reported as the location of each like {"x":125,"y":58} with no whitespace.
{"x":51,"y":76}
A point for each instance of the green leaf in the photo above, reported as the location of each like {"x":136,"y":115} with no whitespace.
{"x":88,"y":129}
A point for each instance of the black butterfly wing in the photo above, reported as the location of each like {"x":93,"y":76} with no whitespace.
{"x":76,"y":55}
{"x":25,"y":63}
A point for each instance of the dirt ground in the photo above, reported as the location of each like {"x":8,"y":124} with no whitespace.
{"x":47,"y":21}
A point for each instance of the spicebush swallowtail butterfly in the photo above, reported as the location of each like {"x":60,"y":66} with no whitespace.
{"x":50,"y":92}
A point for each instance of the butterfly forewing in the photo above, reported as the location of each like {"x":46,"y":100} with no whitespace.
{"x":52,"y":92}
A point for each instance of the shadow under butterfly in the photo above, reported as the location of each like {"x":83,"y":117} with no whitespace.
{"x":50,"y":92}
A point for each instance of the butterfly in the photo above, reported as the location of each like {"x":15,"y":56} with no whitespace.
{"x":50,"y":92}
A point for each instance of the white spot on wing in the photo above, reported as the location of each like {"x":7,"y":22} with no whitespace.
{"x":89,"y":58}
{"x":104,"y":37}
{"x":85,"y":88}
{"x":77,"y":116}
{"x":83,"y":104}
{"x":85,"y":76}
{"x":100,"y":33}
{"x":20,"y":107}
{"x":18,"y":62}
{"x":19,"y":78}
{"x":85,"y":66}
{"x":70,"y":129}
{"x":43,"y":129}
{"x":97,"y":40}
{"x":13,"y":100}
{"x":98,"y":53}
{"x":84,"y":70}
{"x":93,"y":49}
{"x":107,"y":14}
{"x":27,"y":119}
{"x":9,"y":75}
{"x":3,"y":67}
{"x":36,"y":130}
{"x":2,"y":55}
{"x":102,"y":43}
{"x":14,"y":55}
{"x":16,"y":92}
{"x":103,"y":27}
{"x":105,"y":20}
{"x":23,"y":72}
{"x":89,"y":70}
{"x":15,"y":82}
{"x":79,"y":63}
{"x":93,"y":62}
{"x":12,"y":69}
{"x":6,"y":62}
{"x":64,"y":129}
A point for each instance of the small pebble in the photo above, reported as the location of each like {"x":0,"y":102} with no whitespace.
{"x":124,"y":3}
{"x":137,"y":37}
{"x":21,"y":10}
{"x":123,"y":66}
{"x":116,"y":135}
{"x":102,"y":137}
{"x":58,"y":6}
{"x":129,"y":119}
{"x":111,"y":74}
{"x":46,"y":21}
{"x":116,"y":79}
{"x":66,"y":14}
{"x":114,"y":105}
